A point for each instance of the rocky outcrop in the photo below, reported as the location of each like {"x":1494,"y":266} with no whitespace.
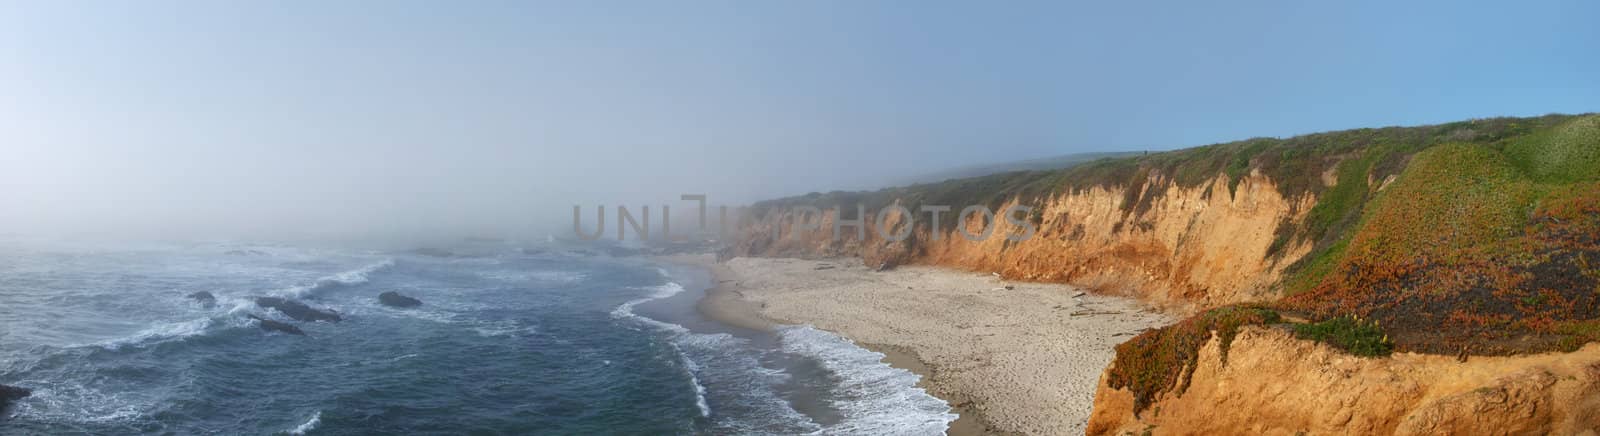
{"x":394,"y":299}
{"x":204,"y":298}
{"x":9,"y":394}
{"x":1274,"y":383}
{"x":277,"y":326}
{"x":1182,"y":248}
{"x":297,"y":310}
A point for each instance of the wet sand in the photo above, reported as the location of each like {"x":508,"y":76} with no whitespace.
{"x":1020,"y":360}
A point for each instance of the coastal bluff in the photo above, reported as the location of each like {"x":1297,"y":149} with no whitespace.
{"x":1395,"y":280}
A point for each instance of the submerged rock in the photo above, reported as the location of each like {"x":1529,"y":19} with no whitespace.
{"x":204,"y":298}
{"x":277,"y":326}
{"x":12,"y":393}
{"x":394,"y":299}
{"x":297,"y":310}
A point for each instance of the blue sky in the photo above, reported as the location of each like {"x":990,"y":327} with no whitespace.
{"x":317,"y":112}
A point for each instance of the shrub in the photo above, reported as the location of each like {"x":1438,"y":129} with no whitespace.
{"x":1349,"y":333}
{"x":1163,"y":360}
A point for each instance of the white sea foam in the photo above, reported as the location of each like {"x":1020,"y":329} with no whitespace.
{"x":625,"y":311}
{"x":309,"y":425}
{"x":875,"y":398}
{"x":159,"y":333}
{"x":74,"y":402}
{"x":490,"y":329}
{"x":347,"y":278}
{"x":699,"y":388}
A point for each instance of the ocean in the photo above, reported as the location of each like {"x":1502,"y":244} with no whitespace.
{"x":510,"y":339}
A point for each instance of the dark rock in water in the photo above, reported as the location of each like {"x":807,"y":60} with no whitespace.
{"x":432,"y":252}
{"x":277,"y":326}
{"x":297,"y":310}
{"x":12,"y":393}
{"x":204,"y":297}
{"x":394,"y":299}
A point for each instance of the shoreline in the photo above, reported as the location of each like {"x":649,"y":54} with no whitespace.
{"x":955,"y":367}
{"x":725,"y":303}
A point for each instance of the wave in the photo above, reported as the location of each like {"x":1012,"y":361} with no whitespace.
{"x":347,"y":278}
{"x":747,"y":389}
{"x":72,"y":401}
{"x":491,"y":329}
{"x":309,"y":425}
{"x":625,"y":311}
{"x":445,"y":311}
{"x":692,"y":369}
{"x":873,"y":397}
{"x":230,"y":316}
{"x":160,"y":333}
{"x":170,"y":332}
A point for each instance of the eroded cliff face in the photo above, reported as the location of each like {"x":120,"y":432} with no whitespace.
{"x":1274,"y":383}
{"x":1181,"y":248}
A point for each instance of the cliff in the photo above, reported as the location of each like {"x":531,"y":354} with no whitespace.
{"x":1275,"y":384}
{"x":1169,"y":255}
{"x":1475,"y":238}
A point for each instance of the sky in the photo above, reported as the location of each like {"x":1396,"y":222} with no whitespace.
{"x":406,"y":119}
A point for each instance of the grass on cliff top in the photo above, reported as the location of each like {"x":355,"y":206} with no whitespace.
{"x":1568,"y":153}
{"x":1476,"y":247}
{"x":1163,"y":360}
{"x":1294,"y":164}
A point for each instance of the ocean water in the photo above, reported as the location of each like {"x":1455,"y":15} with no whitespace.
{"x":507,"y":342}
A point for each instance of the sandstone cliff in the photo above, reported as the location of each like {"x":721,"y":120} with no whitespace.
{"x":1274,"y":383}
{"x":1193,"y":247}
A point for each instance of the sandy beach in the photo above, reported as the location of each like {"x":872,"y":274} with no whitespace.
{"x":1011,"y":357}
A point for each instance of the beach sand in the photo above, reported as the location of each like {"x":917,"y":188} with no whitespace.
{"x":1020,"y":360}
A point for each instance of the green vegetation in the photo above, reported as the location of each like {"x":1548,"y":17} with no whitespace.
{"x":1349,"y":333}
{"x":1476,"y":246}
{"x":1163,"y":360}
{"x":1565,"y":154}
